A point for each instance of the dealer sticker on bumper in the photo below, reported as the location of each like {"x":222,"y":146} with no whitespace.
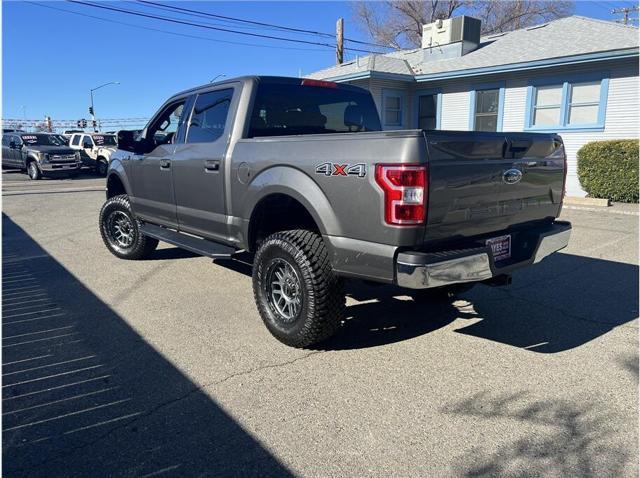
{"x":500,"y":247}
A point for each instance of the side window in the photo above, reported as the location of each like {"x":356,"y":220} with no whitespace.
{"x":87,"y":142}
{"x":209,"y":116}
{"x":163,"y":130}
{"x":76,"y":140}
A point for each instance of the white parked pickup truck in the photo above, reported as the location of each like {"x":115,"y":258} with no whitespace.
{"x":95,"y":149}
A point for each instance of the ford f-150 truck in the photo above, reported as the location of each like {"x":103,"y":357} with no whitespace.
{"x":299,"y":173}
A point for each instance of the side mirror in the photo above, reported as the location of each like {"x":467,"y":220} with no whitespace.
{"x":13,"y":145}
{"x":130,"y":141}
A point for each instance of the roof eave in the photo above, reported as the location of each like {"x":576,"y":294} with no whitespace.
{"x":363,"y":75}
{"x":530,"y":65}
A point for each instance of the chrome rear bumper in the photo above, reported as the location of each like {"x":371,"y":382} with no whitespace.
{"x":416,"y":270}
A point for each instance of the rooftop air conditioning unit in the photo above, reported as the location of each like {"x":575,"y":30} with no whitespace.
{"x":451,"y":30}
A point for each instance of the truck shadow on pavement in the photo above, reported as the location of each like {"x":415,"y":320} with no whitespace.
{"x":85,"y":395}
{"x":561,"y":303}
{"x":557,"y":437}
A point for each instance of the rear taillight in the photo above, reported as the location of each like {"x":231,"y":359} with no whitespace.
{"x":405,"y":193}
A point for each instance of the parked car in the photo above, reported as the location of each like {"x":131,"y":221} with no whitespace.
{"x":95,"y":149}
{"x":299,"y":173}
{"x":39,"y":154}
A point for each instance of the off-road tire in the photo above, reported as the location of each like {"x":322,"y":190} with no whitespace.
{"x":321,"y":291}
{"x":34,"y":171}
{"x":119,"y":207}
{"x":102,"y":167}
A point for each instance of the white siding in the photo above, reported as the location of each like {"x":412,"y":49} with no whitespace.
{"x":455,"y":107}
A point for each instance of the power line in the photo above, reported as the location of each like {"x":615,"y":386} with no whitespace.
{"x":219,"y":23}
{"x":186,"y":35}
{"x":238,"y":23}
{"x":208,"y":27}
{"x":240,"y":20}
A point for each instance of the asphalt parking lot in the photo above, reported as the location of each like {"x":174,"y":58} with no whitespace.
{"x":163,"y":368}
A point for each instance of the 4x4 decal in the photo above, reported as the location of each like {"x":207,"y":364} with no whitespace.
{"x":335,"y":169}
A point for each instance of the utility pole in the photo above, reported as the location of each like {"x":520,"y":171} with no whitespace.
{"x":340,"y":41}
{"x":625,"y":11}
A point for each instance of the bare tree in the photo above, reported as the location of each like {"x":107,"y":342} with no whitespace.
{"x":398,"y":24}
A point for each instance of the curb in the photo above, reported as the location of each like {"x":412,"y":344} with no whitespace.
{"x":593,"y":202}
{"x":601,"y":209}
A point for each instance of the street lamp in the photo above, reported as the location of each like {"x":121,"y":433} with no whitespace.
{"x":91,"y":110}
{"x":216,"y":77}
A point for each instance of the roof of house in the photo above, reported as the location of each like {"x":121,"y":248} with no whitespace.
{"x":566,"y":37}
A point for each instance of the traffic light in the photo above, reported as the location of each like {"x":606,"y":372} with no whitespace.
{"x":91,"y":110}
{"x":83,"y":122}
{"x":79,"y":123}
{"x":95,"y":123}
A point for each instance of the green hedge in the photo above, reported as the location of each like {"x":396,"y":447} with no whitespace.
{"x":609,"y":169}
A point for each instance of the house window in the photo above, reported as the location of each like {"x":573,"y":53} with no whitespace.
{"x":548,"y":105}
{"x":572,"y":104}
{"x":393,"y":102}
{"x":428,"y":111}
{"x":487,"y":105}
{"x":584,"y":102}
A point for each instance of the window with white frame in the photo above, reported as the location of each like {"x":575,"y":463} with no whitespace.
{"x":547,"y":105}
{"x":487,"y":110}
{"x":584,"y":101}
{"x":392,"y":109}
{"x":571,"y":104}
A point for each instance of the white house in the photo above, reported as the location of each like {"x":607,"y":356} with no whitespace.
{"x":575,"y":76}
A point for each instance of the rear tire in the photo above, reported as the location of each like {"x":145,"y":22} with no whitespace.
{"x":298,"y":296}
{"x":34,"y":171}
{"x":120,"y":230}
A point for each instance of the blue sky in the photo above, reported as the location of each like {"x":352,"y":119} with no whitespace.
{"x":51,"y":59}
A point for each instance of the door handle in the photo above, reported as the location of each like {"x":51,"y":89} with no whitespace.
{"x":212,"y":165}
{"x":165,"y":164}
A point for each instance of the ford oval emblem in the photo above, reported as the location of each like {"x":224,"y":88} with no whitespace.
{"x":512,"y":176}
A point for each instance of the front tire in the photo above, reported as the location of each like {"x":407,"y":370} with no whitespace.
{"x":34,"y":171}
{"x":120,"y":230}
{"x":298,"y":296}
{"x":102,"y":168}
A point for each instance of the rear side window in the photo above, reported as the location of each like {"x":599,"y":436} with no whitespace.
{"x":5,"y":140}
{"x":290,"y":109}
{"x":209,"y":116}
{"x":76,"y":140}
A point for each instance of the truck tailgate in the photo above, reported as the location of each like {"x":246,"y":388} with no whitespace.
{"x":486,"y":182}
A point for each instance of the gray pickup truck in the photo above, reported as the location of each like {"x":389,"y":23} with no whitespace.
{"x":39,"y":154}
{"x":300,"y":174}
